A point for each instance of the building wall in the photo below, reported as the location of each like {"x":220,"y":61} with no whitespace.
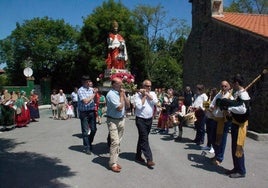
{"x":216,"y":51}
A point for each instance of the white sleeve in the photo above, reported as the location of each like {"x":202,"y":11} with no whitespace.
{"x":238,"y":109}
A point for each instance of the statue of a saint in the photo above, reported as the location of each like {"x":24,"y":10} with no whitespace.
{"x":117,"y":51}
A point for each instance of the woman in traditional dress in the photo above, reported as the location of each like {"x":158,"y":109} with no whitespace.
{"x":33,"y":106}
{"x":22,"y":112}
{"x":7,"y":112}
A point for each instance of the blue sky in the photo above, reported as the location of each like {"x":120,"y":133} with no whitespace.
{"x":72,"y":11}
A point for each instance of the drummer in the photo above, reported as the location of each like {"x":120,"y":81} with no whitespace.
{"x":180,"y":114}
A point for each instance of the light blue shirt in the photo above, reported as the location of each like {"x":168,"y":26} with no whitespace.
{"x":112,"y":102}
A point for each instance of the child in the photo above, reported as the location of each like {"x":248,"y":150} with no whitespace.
{"x":70,"y":110}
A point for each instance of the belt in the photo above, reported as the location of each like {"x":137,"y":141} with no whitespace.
{"x":144,"y":118}
{"x":115,"y":118}
{"x":61,"y":103}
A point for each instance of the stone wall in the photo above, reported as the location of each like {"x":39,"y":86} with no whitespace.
{"x":216,"y":51}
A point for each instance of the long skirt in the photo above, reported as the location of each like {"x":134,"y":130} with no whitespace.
{"x":7,"y":116}
{"x":34,"y":111}
{"x":23,"y":118}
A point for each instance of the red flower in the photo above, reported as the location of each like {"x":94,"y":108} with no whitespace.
{"x":125,"y":77}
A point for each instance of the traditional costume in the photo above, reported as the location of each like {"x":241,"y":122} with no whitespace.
{"x":7,"y":112}
{"x":239,"y":109}
{"x":22,"y":112}
{"x":33,"y":107}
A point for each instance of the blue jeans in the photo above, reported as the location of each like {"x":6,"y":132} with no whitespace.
{"x":144,"y":127}
{"x":88,"y":120}
{"x":220,"y":149}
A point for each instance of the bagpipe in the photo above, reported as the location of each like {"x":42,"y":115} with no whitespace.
{"x":224,"y":103}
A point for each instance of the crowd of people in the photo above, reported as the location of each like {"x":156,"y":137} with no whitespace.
{"x":65,"y":107}
{"x":18,"y":110}
{"x":213,"y":113}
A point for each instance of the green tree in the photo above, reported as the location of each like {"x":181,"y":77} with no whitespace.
{"x":248,"y":6}
{"x":167,"y":73}
{"x":163,"y":44}
{"x":50,"y":45}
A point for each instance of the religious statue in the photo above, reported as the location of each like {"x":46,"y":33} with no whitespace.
{"x":117,"y":51}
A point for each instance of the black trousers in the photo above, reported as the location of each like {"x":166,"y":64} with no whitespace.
{"x":143,"y":146}
{"x":239,"y":162}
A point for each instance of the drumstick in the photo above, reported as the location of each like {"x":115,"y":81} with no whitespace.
{"x":256,"y":79}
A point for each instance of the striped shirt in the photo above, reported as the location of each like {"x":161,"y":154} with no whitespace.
{"x":84,"y":93}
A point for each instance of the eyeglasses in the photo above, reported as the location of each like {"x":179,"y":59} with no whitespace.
{"x":147,"y":86}
{"x":224,"y":86}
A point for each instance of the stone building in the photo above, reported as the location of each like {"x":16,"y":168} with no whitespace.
{"x":221,"y":45}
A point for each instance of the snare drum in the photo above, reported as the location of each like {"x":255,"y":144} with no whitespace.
{"x":189,"y":118}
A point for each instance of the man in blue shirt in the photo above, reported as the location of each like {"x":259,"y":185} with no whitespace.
{"x":86,"y":107}
{"x":116,"y":101}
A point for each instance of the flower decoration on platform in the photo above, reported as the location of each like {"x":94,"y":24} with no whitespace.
{"x":127,"y":79}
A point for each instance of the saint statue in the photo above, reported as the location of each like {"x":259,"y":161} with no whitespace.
{"x":117,"y":51}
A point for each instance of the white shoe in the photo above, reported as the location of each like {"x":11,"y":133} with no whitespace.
{"x":211,"y":150}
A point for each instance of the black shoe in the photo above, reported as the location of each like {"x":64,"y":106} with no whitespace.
{"x":90,"y":147}
{"x":228,"y":172}
{"x":139,"y":160}
{"x":179,"y":138}
{"x":87,"y":151}
{"x":237,"y":175}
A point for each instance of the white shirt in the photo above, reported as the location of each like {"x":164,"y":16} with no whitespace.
{"x":242,"y":94}
{"x":217,"y":112}
{"x":74,"y":97}
{"x":145,"y":110}
{"x":198,"y":102}
{"x":183,"y":111}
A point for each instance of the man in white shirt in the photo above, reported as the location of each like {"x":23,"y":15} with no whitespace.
{"x":62,"y":101}
{"x":74,"y":96}
{"x":239,"y":108}
{"x":145,"y":101}
{"x":198,"y":108}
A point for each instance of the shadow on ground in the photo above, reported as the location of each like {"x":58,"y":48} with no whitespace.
{"x":27,"y":169}
{"x":203,"y":162}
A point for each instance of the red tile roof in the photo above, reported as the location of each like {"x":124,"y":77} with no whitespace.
{"x":256,"y":23}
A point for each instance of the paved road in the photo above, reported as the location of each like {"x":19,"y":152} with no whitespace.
{"x":49,"y":154}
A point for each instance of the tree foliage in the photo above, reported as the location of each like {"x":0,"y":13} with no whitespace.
{"x":248,"y":6}
{"x":46,"y":45}
{"x":162,"y":44}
